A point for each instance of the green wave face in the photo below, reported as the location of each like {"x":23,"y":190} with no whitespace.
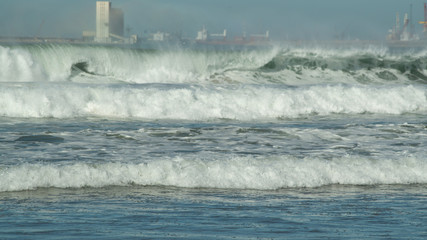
{"x":278,"y":65}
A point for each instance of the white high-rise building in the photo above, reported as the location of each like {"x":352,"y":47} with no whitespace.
{"x":103,"y":21}
{"x":109,"y":22}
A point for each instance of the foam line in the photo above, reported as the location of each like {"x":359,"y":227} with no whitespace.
{"x":193,"y":102}
{"x":233,"y":173}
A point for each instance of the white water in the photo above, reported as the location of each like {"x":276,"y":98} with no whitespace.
{"x":38,"y":83}
{"x":190,"y":102}
{"x":53,"y":63}
{"x":18,"y":65}
{"x":234,"y":173}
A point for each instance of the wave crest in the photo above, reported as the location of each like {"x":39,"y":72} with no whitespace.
{"x":194,"y":102}
{"x":234,"y":173}
{"x":353,"y":65}
{"x":61,"y":63}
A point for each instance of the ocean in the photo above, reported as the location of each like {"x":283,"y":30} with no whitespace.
{"x":280,"y":143}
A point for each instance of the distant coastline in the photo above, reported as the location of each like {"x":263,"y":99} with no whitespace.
{"x":189,"y":43}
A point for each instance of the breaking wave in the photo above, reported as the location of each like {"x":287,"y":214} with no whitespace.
{"x":194,"y":102}
{"x":38,"y":63}
{"x":60,"y":63}
{"x":64,"y":81}
{"x":233,"y":173}
{"x":361,"y":66}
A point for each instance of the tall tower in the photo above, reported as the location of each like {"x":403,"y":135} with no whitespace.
{"x":425,"y":19}
{"x":103,"y":21}
{"x":117,"y":22}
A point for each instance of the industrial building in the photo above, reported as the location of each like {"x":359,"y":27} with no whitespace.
{"x":117,"y":22}
{"x":109,"y":23}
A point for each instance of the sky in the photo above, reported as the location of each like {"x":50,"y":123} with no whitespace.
{"x":285,"y":19}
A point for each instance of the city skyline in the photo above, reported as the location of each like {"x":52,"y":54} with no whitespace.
{"x":291,"y":19}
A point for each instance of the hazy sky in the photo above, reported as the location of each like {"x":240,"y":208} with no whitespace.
{"x":291,"y":19}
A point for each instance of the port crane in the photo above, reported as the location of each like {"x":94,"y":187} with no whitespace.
{"x":39,"y":30}
{"x":400,"y":34}
{"x":425,"y":18}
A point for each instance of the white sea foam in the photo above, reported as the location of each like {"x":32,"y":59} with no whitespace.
{"x":195,"y":85}
{"x":233,"y":173}
{"x":295,"y":66}
{"x":17,"y":65}
{"x":333,"y":52}
{"x":54,"y":63}
{"x":193,"y":102}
